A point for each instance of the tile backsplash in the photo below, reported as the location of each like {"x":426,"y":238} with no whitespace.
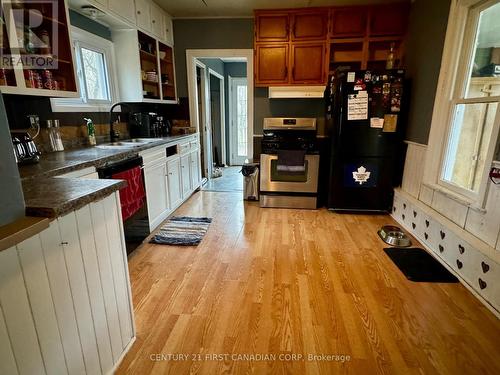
{"x":72,"y":124}
{"x":76,"y":136}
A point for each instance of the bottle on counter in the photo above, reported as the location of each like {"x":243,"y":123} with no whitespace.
{"x":54,"y":135}
{"x":90,"y":131}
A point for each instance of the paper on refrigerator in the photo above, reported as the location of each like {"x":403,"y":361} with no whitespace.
{"x":357,"y":106}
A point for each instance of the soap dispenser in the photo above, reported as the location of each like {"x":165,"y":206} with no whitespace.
{"x":90,"y":131}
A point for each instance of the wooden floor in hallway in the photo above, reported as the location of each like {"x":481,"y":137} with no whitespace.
{"x":273,"y":283}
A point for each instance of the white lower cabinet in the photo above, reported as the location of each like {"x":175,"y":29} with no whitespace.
{"x":185,"y":175}
{"x":174,"y":182}
{"x":170,"y":177}
{"x":156,"y":192}
{"x":65,"y":297}
{"x":195,"y":168}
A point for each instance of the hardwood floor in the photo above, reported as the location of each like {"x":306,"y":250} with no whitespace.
{"x":230,"y":181}
{"x":282,"y":282}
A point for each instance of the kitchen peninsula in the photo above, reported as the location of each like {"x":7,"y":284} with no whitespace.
{"x":65,"y":291}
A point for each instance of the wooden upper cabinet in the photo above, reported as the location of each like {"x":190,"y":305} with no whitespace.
{"x":309,"y":25}
{"x":271,"y":63}
{"x":308,"y":62}
{"x":348,"y":22}
{"x":272,"y":27}
{"x":389,"y":19}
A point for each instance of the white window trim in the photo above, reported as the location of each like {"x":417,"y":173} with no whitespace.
{"x":94,"y":42}
{"x":459,"y":36}
{"x":233,"y":134}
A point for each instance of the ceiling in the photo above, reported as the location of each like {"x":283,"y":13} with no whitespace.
{"x":244,"y":8}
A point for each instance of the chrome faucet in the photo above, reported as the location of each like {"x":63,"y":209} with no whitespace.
{"x":113,"y":134}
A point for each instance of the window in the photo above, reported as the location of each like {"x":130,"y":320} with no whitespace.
{"x":94,"y":57}
{"x":241,"y":116}
{"x":473,"y":111}
{"x":94,"y":73}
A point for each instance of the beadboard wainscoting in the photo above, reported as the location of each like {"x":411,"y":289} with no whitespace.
{"x":484,"y":223}
{"x":65,"y":298}
{"x":414,"y":168}
{"x":464,"y":238}
{"x":476,"y":264}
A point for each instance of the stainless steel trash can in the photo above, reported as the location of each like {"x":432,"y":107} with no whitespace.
{"x":250,"y":174}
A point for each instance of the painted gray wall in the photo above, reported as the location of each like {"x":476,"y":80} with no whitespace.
{"x":215,"y":64}
{"x":11,"y":193}
{"x":207,"y":34}
{"x":85,"y":23}
{"x":428,"y":20}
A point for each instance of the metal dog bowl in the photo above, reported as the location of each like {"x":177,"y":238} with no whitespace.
{"x":394,"y":236}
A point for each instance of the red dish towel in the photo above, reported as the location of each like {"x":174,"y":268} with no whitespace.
{"x":131,"y":196}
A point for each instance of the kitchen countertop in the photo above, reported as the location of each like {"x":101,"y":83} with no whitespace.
{"x":57,"y":163}
{"x":54,"y":197}
{"x":51,"y":197}
{"x":20,"y":230}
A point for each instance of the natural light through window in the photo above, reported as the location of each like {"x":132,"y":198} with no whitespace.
{"x":96,"y":73}
{"x":94,"y":70}
{"x":241,"y":104}
{"x":475,"y":106}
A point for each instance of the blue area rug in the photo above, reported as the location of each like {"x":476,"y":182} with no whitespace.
{"x":182,"y":231}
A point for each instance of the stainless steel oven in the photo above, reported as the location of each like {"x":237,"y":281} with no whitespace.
{"x":288,"y":189}
{"x":295,"y":185}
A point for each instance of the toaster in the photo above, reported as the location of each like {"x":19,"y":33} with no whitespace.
{"x":25,"y":149}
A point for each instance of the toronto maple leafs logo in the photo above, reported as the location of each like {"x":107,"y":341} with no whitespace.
{"x":361,"y":175}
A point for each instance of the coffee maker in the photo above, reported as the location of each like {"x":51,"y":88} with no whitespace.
{"x":149,"y":125}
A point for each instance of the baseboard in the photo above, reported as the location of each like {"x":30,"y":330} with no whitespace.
{"x":122,"y":356}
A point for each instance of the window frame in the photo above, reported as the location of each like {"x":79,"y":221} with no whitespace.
{"x":452,"y":86}
{"x":84,"y":39}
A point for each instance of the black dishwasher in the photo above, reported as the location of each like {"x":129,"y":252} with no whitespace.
{"x":132,"y":198}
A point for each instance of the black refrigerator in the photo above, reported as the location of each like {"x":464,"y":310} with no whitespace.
{"x":366,"y":115}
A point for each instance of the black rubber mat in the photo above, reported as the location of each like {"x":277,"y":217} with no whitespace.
{"x":419,"y":266}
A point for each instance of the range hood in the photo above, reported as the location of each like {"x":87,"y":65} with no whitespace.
{"x":290,"y":92}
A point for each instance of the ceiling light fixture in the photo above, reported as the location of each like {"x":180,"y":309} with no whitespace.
{"x":92,"y":12}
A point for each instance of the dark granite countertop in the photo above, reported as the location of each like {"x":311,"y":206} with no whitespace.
{"x":48,"y":196}
{"x":57,"y":163}
{"x":54,"y":197}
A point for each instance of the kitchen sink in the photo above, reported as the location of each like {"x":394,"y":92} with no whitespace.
{"x":127,"y":143}
{"x":141,"y":140}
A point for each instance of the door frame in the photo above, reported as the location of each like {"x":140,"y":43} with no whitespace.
{"x":220,"y":77}
{"x":248,"y":54}
{"x":231,"y":80}
{"x":205,"y":113}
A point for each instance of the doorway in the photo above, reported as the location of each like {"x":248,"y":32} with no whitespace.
{"x":238,"y":120}
{"x":217,"y":118}
{"x":226,"y":133}
{"x":205,"y":158}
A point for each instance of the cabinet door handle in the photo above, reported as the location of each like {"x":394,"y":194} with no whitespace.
{"x":154,"y":21}
{"x":138,"y":12}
